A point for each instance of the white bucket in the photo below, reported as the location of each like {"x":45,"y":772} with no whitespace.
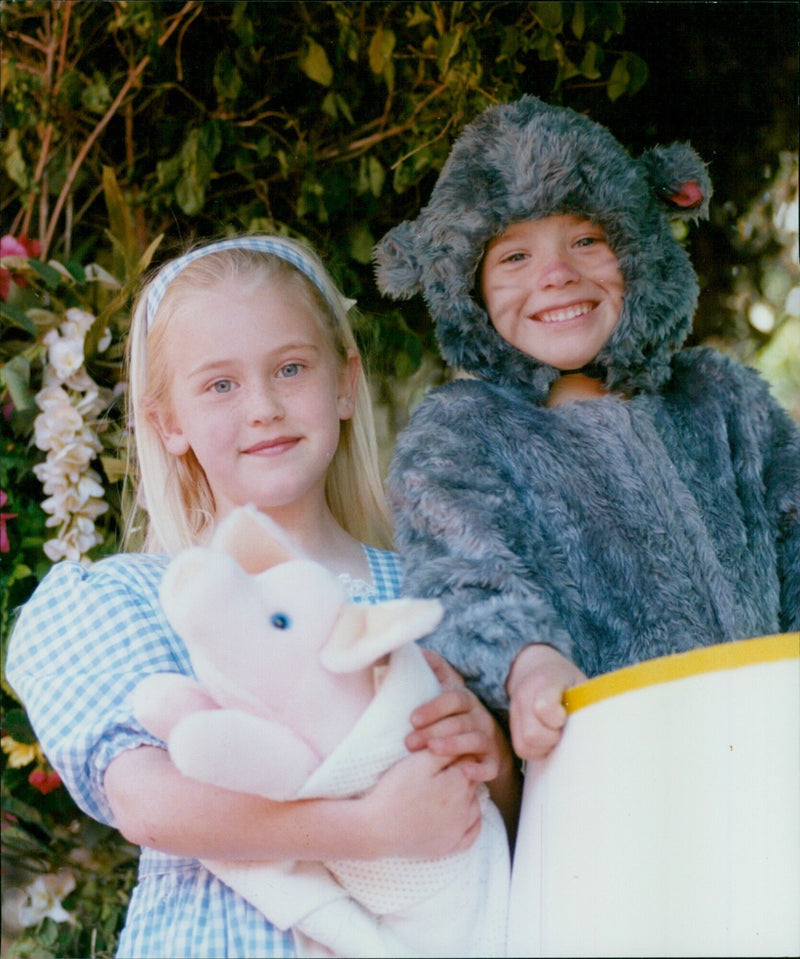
{"x":667,"y":820}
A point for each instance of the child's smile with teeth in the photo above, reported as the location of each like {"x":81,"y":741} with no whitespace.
{"x":565,"y":313}
{"x":553,"y":289}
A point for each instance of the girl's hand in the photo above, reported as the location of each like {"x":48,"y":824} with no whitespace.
{"x":457,"y":725}
{"x":536,"y":684}
{"x":423,"y":806}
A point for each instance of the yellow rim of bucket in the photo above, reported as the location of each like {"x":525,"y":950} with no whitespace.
{"x":707,"y":659}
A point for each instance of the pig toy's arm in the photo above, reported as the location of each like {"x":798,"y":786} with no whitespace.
{"x":242,"y":752}
{"x":224,"y":747}
{"x":161,"y":700}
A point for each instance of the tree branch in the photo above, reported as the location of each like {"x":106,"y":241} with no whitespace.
{"x":133,"y":76}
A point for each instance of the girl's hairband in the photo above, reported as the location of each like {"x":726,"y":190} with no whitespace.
{"x":262,"y":244}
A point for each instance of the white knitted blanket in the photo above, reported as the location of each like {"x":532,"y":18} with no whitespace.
{"x":453,"y":906}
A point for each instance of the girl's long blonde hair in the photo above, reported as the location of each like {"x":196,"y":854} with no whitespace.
{"x":173,"y":506}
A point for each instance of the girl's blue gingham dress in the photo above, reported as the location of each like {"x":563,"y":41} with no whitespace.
{"x":82,"y":643}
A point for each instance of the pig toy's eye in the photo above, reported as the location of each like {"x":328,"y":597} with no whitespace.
{"x":280,"y":621}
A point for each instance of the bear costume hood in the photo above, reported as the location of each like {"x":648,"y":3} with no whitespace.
{"x":528,"y":160}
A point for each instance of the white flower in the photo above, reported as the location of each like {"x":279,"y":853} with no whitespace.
{"x":77,"y":319}
{"x":92,"y":403}
{"x":74,"y":458}
{"x":66,"y":356}
{"x":56,"y":426}
{"x":53,"y":395}
{"x":42,"y":899}
{"x":51,"y":476}
{"x":85,"y":498}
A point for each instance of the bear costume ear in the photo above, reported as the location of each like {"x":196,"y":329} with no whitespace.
{"x":679,"y":180}
{"x":397,"y":270}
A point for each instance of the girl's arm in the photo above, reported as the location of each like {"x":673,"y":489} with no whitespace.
{"x":458,"y":725}
{"x":423,"y":806}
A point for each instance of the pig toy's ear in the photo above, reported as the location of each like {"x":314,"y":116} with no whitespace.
{"x":363,"y":634}
{"x":254,"y":540}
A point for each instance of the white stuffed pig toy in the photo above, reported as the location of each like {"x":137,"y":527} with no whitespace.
{"x":296,"y":698}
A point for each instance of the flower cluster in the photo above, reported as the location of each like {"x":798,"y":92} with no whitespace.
{"x":70,"y":403}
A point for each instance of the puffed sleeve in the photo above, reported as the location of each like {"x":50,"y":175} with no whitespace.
{"x":465,"y":539}
{"x":81,"y":644}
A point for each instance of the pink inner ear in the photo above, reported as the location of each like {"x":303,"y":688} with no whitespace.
{"x":688,"y":195}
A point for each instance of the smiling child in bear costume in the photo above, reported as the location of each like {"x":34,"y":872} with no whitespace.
{"x":579,"y":513}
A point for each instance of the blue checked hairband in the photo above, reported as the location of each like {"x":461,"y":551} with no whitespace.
{"x":262,"y":244}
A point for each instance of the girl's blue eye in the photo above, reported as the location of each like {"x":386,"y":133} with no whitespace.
{"x":222,"y":386}
{"x":291,"y":369}
{"x":280,"y":621}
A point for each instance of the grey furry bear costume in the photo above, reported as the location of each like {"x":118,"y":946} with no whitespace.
{"x":658,"y":518}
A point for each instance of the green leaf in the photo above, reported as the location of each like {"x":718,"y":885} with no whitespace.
{"x":16,"y":377}
{"x":550,"y":16}
{"x":447,"y":48}
{"x":361,"y":243}
{"x":119,"y":216}
{"x":17,"y":726}
{"x":21,"y":842}
{"x":344,"y":108}
{"x":96,"y":97}
{"x":48,"y":932}
{"x":313,"y":61}
{"x":618,"y":81}
{"x":51,"y":276}
{"x":381,"y":47}
{"x":637,"y":72}
{"x":14,"y":161}
{"x":328,"y":105}
{"x":115,"y":469}
{"x":569,"y":70}
{"x":408,"y":172}
{"x":615,"y":16}
{"x":509,"y":44}
{"x":168,"y":171}
{"x":578,"y":21}
{"x":418,"y":16}
{"x":22,"y":810}
{"x":17,"y":317}
{"x":227,"y":79}
{"x":198,"y":154}
{"x":547,"y":46}
{"x":371,"y":176}
{"x":264,"y":146}
{"x":242,"y":25}
{"x":589,"y":64}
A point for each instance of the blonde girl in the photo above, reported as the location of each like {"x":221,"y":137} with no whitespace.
{"x":245,"y":387}
{"x":180,"y":514}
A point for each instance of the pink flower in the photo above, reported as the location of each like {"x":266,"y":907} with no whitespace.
{"x":5,"y":545}
{"x":15,"y":246}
